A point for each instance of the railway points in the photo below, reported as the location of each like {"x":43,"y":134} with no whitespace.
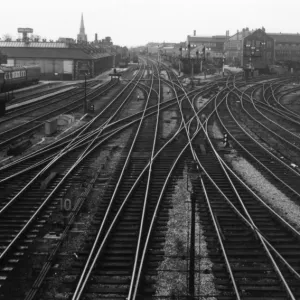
{"x":112,"y":208}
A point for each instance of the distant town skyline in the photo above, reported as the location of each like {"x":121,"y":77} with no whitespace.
{"x":137,"y":22}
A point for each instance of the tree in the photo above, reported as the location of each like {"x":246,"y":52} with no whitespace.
{"x":7,"y":37}
{"x":35,"y":38}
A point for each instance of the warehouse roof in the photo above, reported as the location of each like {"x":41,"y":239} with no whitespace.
{"x":59,"y":53}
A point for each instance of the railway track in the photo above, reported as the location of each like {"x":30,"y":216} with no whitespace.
{"x":36,"y":197}
{"x":248,"y":260}
{"x":245,"y":267}
{"x":19,"y":131}
{"x":119,"y":258}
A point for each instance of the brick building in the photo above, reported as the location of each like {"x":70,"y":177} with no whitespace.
{"x":250,"y":49}
{"x":214,"y":45}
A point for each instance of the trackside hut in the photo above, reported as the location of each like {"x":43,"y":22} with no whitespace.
{"x":57,"y":60}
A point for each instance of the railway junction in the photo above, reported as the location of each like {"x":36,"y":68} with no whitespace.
{"x":141,"y":188}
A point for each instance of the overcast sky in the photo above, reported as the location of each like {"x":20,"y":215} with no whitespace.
{"x":136,"y":22}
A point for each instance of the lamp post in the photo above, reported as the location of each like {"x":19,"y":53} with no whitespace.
{"x":147,"y":61}
{"x":84,"y":103}
{"x":180,"y":55}
{"x":223,"y":65}
{"x":193,"y":174}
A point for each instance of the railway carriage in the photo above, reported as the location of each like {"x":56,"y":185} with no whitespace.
{"x":15,"y":77}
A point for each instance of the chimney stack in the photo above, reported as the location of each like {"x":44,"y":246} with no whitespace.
{"x":194,"y":32}
{"x":96,"y":37}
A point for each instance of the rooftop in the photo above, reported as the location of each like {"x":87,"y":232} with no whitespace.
{"x":33,"y":45}
{"x":56,"y":53}
{"x":285,"y":37}
{"x":53,"y":50}
{"x":216,"y":38}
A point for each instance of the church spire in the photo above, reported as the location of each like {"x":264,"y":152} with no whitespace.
{"x":82,"y":24}
{"x":82,"y":36}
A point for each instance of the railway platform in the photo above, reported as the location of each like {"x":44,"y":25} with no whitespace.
{"x":9,"y":107}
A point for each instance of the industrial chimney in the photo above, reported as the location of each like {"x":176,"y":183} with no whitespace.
{"x":194,"y":32}
{"x":96,"y":37}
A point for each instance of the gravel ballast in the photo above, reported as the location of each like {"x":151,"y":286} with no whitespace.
{"x":283,"y":205}
{"x":172,"y":279}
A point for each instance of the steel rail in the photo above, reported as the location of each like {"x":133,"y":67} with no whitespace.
{"x":121,"y":207}
{"x":109,"y":105}
{"x":267,"y":151}
{"x":286,"y":109}
{"x":83,"y":142}
{"x":86,"y":152}
{"x":251,"y":224}
{"x":275,"y":111}
{"x":41,"y":117}
{"x":277,"y":270}
{"x":54,"y":160}
{"x":228,"y":266}
{"x":79,"y":131}
{"x":161,"y":194}
{"x":282,"y":162}
{"x":56,"y":144}
{"x":90,"y":265}
{"x":39,"y":104}
{"x":145,"y":201}
{"x":268,"y":119}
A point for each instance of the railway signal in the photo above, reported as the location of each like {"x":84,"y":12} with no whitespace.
{"x":3,"y":58}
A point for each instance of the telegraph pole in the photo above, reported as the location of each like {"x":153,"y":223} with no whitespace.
{"x":180,"y":55}
{"x":85,"y":103}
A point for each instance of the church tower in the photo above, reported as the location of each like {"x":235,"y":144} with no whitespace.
{"x":81,"y":36}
